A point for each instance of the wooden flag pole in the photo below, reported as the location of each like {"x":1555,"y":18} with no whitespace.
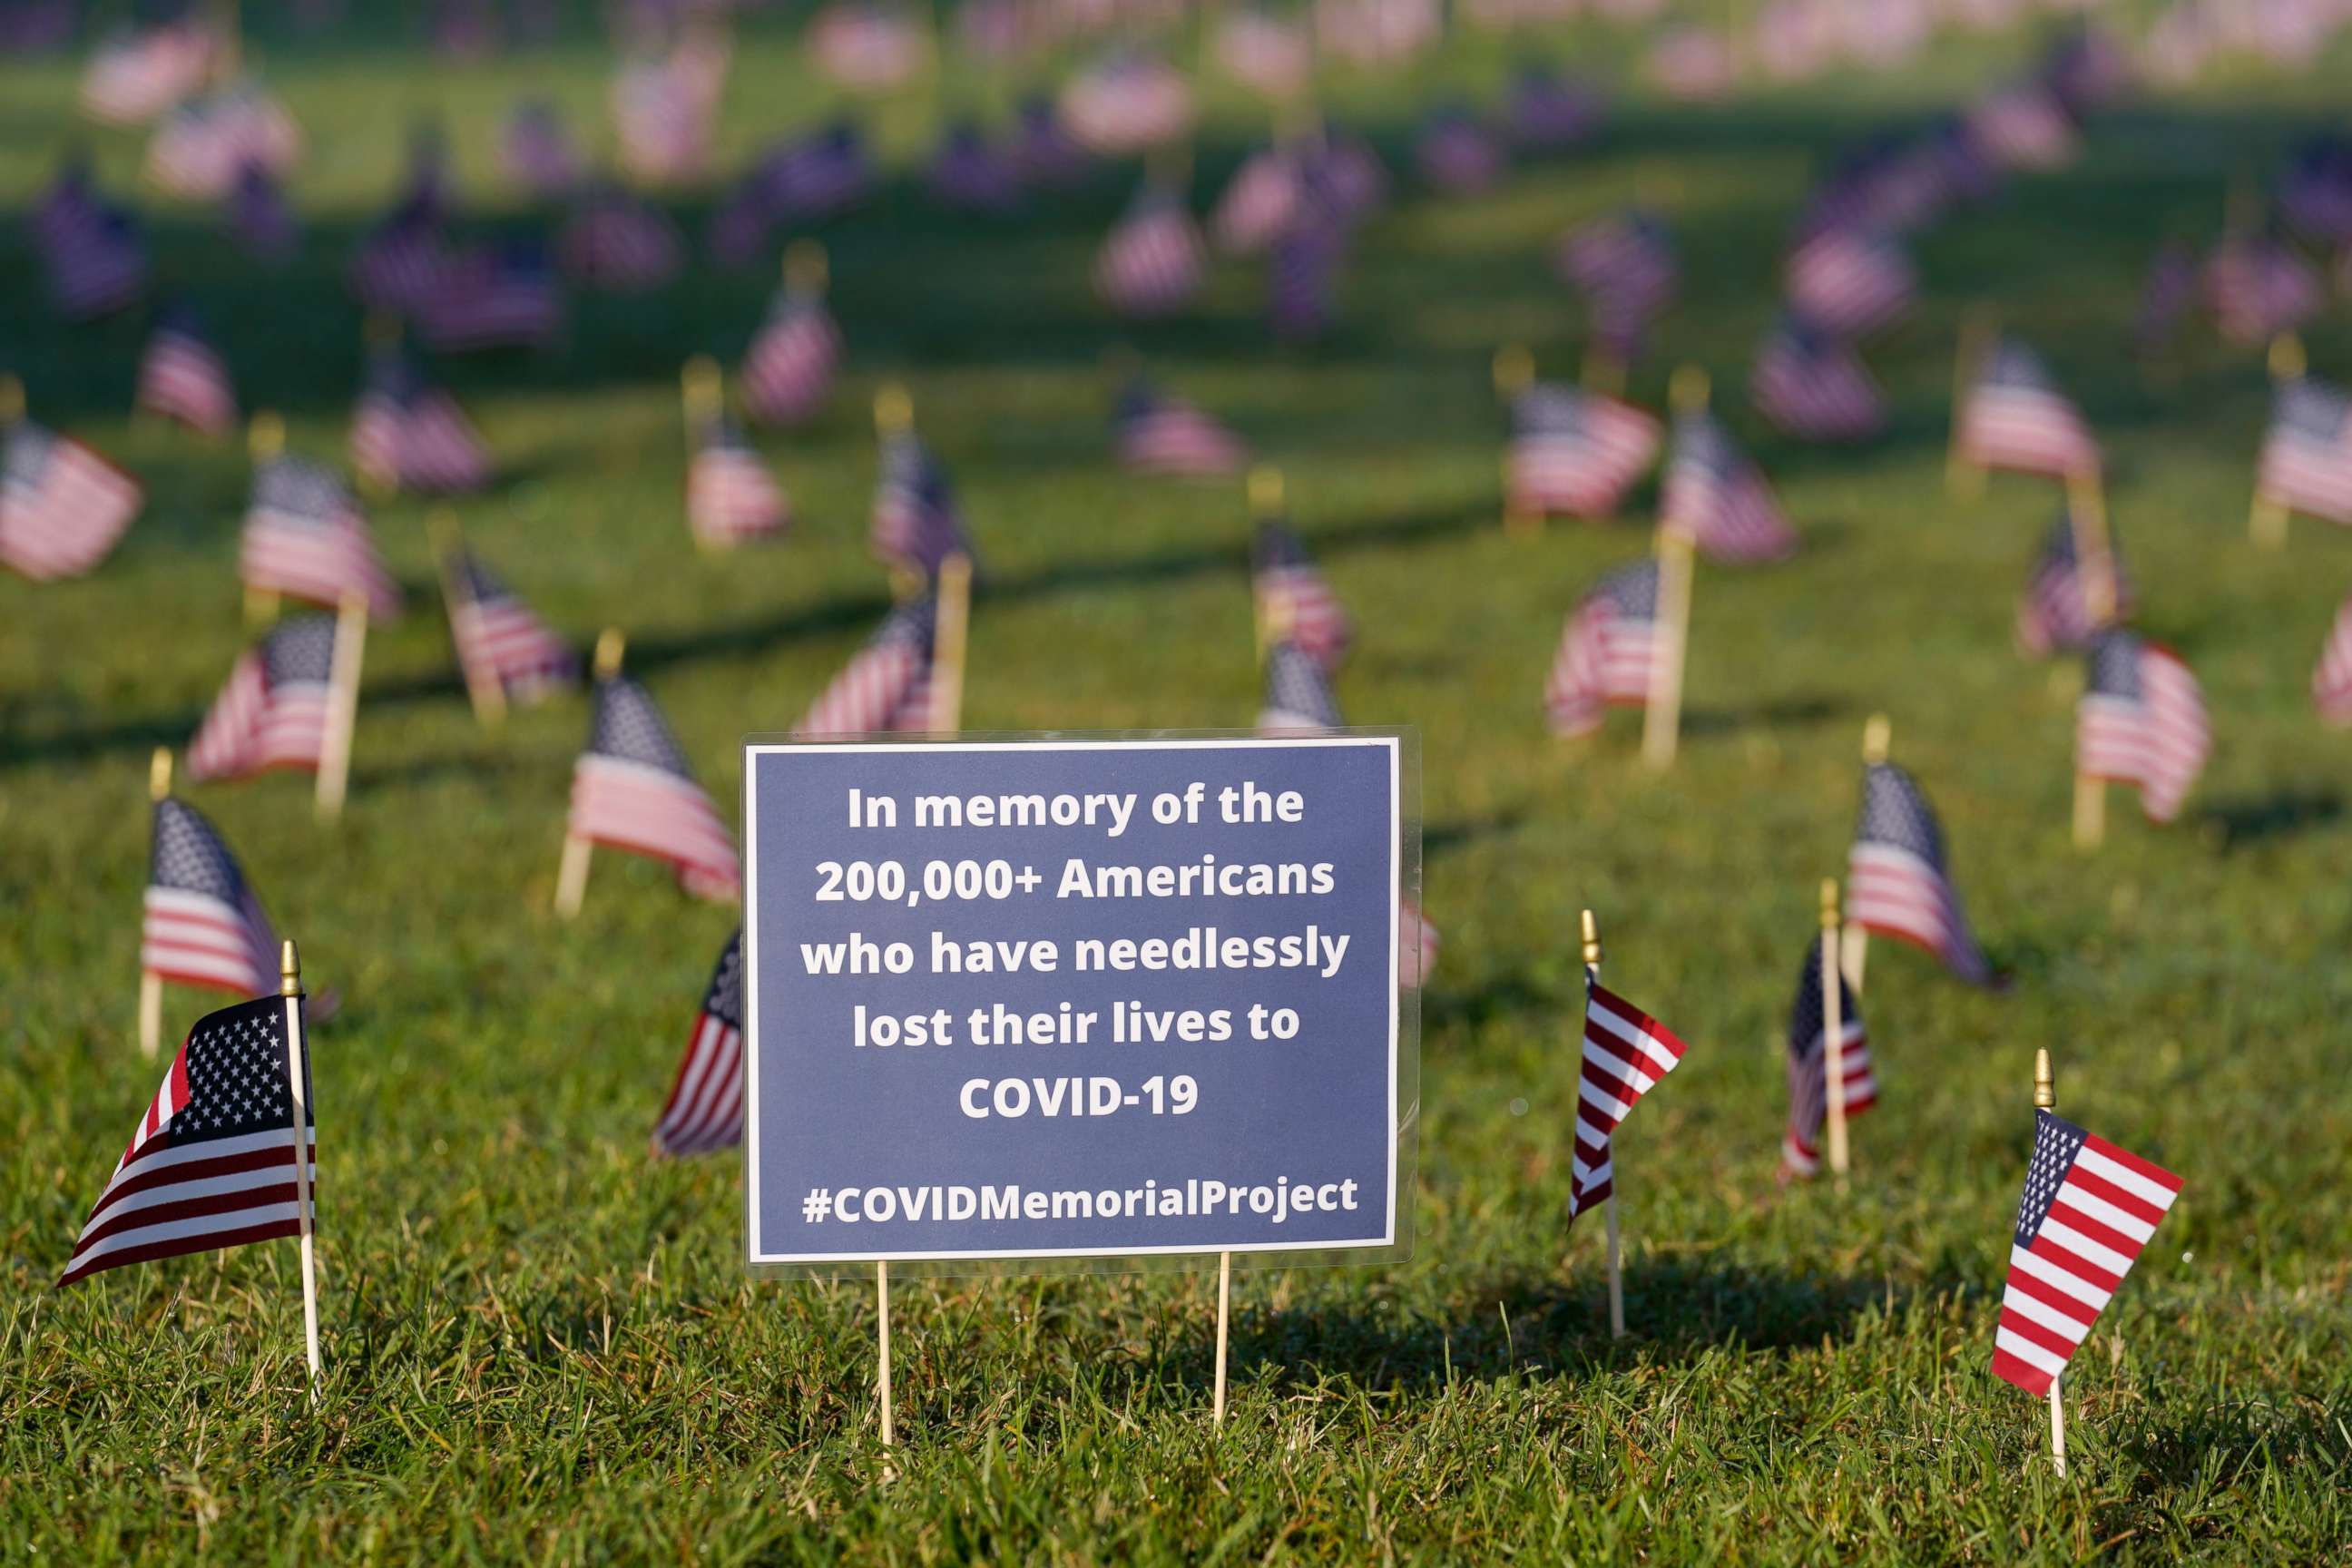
{"x":2045,"y":1097}
{"x":572,"y":876}
{"x":297,"y":1080}
{"x":1853,"y":941}
{"x":343,"y":703}
{"x":882,"y":1297}
{"x":1514,"y":371}
{"x":2266,"y":525}
{"x":1609,"y":1204}
{"x":1833,"y":1031}
{"x":265,"y":438}
{"x":1224,"y":1312}
{"x":1662,"y":714}
{"x":484,"y":689}
{"x":151,"y":984}
{"x":702,"y":395}
{"x":2095,"y":558}
{"x":1265,"y":495}
{"x":894,"y":413}
{"x":1962,"y":477}
{"x":950,"y":635}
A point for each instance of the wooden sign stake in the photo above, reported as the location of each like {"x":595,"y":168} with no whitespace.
{"x":2045,"y":1097}
{"x":1609,"y":1204}
{"x":265,"y":438}
{"x":151,"y":984}
{"x":484,"y":689}
{"x":1224,"y":1309}
{"x":1514,"y":371}
{"x":290,"y":986}
{"x":882,"y":1297}
{"x":1962,"y":477}
{"x":950,"y":635}
{"x":343,"y":703}
{"x":2267,"y":523}
{"x":1833,"y":1031}
{"x":572,"y":876}
{"x":1853,"y":944}
{"x":1661,"y":715}
{"x":1266,"y":498}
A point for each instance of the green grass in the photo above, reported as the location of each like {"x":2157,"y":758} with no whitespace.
{"x":541,"y":1347}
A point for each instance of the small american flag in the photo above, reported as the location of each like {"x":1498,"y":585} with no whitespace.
{"x":1626,"y":1052}
{"x":729,"y":495}
{"x":1458,"y":156}
{"x":2314,"y":190}
{"x":616,"y":244}
{"x":1127,"y":103}
{"x":2258,"y":287}
{"x":537,"y":152}
{"x":1375,"y":33}
{"x":1851,"y":281}
{"x":1259,"y":202}
{"x":969,"y":176}
{"x":1809,"y":1066}
{"x":304,"y":537}
{"x":212,"y":1164}
{"x":499,"y":638}
{"x":1152,"y":261}
{"x":1626,"y":266}
{"x":2024,"y":126}
{"x":633,"y":790}
{"x":2331,"y":683}
{"x":1048,"y":155}
{"x":135,"y":76}
{"x":1606,"y":651}
{"x":202,"y":146}
{"x":508,"y":298}
{"x":1301,"y":291}
{"x":915,"y":522}
{"x":260,"y":219}
{"x":819,"y":176}
{"x":408,"y":433}
{"x":868,"y":48}
{"x":97,"y":263}
{"x":887,"y":686}
{"x":2014,"y":418}
{"x":790,"y":366}
{"x":2165,"y":297}
{"x":203,"y":924}
{"x":2087,"y":1211}
{"x":1547,"y":113}
{"x":1270,"y":54}
{"x":1575,"y":451}
{"x":1695,"y":64}
{"x":183,"y":377}
{"x":1896,"y":881}
{"x":2055,"y":610}
{"x":705,"y":1110}
{"x":1294,"y":601}
{"x":2141,"y":721}
{"x":62,"y":505}
{"x":1812,"y":386}
{"x":273,"y":711}
{"x":1298,"y":691}
{"x":1157,"y":433}
{"x":1719,"y":500}
{"x":403,"y":258}
{"x":663,"y":109}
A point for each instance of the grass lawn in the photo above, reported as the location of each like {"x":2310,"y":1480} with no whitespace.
{"x":541,"y":1347}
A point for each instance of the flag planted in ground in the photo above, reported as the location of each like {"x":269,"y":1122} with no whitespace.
{"x":2141,"y":721}
{"x":1575,"y":451}
{"x":202,"y":925}
{"x":182,"y":377}
{"x":705,"y":1108}
{"x":632,"y":789}
{"x":305,"y":537}
{"x":617,"y":243}
{"x":1298,"y":691}
{"x":2331,"y":682}
{"x":272,"y":714}
{"x":790,"y":366}
{"x":2013,"y":416}
{"x":409,"y":435}
{"x":2306,"y":460}
{"x":1607,"y":652}
{"x":1294,"y":601}
{"x":498,"y":637}
{"x":915,"y":523}
{"x":1626,"y":1052}
{"x":1809,"y":1066}
{"x":2054,"y":612}
{"x":1898,"y":882}
{"x":1160,"y":433}
{"x":1719,"y":500}
{"x":886,"y":685}
{"x":1850,"y":280}
{"x":62,"y":505}
{"x":1625,"y":266}
{"x":731,"y":497}
{"x":1152,"y":261}
{"x":1812,"y":386}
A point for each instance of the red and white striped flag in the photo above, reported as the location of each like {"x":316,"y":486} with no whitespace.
{"x":202,"y":147}
{"x":790,"y":366}
{"x":618,"y":245}
{"x":1851,"y":281}
{"x":2013,"y":416}
{"x":1606,"y":651}
{"x":1626,"y":1052}
{"x":1294,"y":601}
{"x":305,"y":537}
{"x":887,"y":686}
{"x":408,"y":435}
{"x":62,"y":505}
{"x":2141,"y":721}
{"x":135,"y":76}
{"x":273,"y":711}
{"x":1808,"y":1067}
{"x":632,"y":789}
{"x":705,"y":1108}
{"x":731,"y":497}
{"x":1259,"y":202}
{"x":1152,"y":261}
{"x":1898,"y":883}
{"x":500,"y":639}
{"x":1576,"y":452}
{"x":2306,"y":461}
{"x":868,"y":46}
{"x":2331,"y":682}
{"x":1157,"y":433}
{"x":2258,"y":287}
{"x":183,"y":377}
{"x":1719,"y":500}
{"x":1814,"y":386}
{"x":202,"y":925}
{"x":1127,"y":103}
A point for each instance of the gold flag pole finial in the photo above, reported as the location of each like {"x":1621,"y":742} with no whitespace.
{"x":1591,"y":941}
{"x":805,"y":265}
{"x":1266,"y":490}
{"x":265,"y":437}
{"x":1688,"y":389}
{"x":1829,"y":903}
{"x":12,"y":399}
{"x":2045,"y":1086}
{"x":290,"y":970}
{"x":159,"y":774}
{"x":2287,"y":360}
{"x":1515,"y":370}
{"x":701,"y":388}
{"x":1877,"y":739}
{"x":894,"y":409}
{"x":610,"y":645}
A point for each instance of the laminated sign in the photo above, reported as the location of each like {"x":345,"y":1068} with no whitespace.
{"x":1078,"y":997}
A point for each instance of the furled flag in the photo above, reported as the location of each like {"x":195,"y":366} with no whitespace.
{"x":498,"y":637}
{"x":1294,"y":601}
{"x":1297,"y":692}
{"x":304,"y":537}
{"x":537,"y":152}
{"x":2054,"y":612}
{"x":183,"y":377}
{"x":1605,"y":651}
{"x":729,"y":495}
{"x":705,"y":1110}
{"x":2331,"y":683}
{"x":867,"y":46}
{"x":1809,"y":1066}
{"x":1457,"y":155}
{"x":887,"y":686}
{"x":1158,"y":433}
{"x":1152,"y":260}
{"x":202,"y":925}
{"x":260,"y":219}
{"x":62,"y":505}
{"x":1896,"y":881}
{"x":1548,"y":113}
{"x":1301,"y":296}
{"x":1625,"y":266}
{"x":1812,"y":386}
{"x":212,"y":1164}
{"x":201,"y":147}
{"x":1575,"y":451}
{"x":96,"y":262}
{"x":915,"y":522}
{"x":790,"y":366}
{"x":1719,"y":500}
{"x":401,"y":259}
{"x":2165,"y":296}
{"x":135,"y":76}
{"x":2258,"y":287}
{"x":1127,"y":103}
{"x":1850,"y":280}
{"x":633,"y":790}
{"x":615,"y":243}
{"x":2014,"y":418}
{"x":2024,"y":126}
{"x":409,"y":435}
{"x":493,"y":300}
{"x":969,"y":176}
{"x":2141,"y":721}
{"x":2087,"y":1211}
{"x":1626,"y":1052}
{"x":273,"y":711}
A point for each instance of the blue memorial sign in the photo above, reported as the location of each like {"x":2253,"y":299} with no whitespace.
{"x":1076,"y":998}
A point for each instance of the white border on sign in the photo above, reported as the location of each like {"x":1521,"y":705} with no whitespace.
{"x":753,"y":750}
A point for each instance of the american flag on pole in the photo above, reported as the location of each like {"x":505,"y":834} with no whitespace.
{"x":97,"y":263}
{"x":2087,"y":1211}
{"x":2141,"y":721}
{"x":62,"y":505}
{"x":403,"y":258}
{"x":1301,"y":297}
{"x":498,"y":637}
{"x":2014,"y":418}
{"x":305,"y":538}
{"x":1298,"y":691}
{"x":135,"y":75}
{"x":1259,"y":202}
{"x":887,"y":686}
{"x":1152,"y":261}
{"x":1812,"y":386}
{"x":2258,"y":287}
{"x":1626,"y":266}
{"x":1897,"y":882}
{"x":536,"y":152}
{"x":632,"y":789}
{"x":1158,"y":433}
{"x":408,"y":435}
{"x":202,"y":145}
{"x":1127,"y":103}
{"x":203,"y":924}
{"x":790,"y":366}
{"x":2306,"y":461}
{"x":212,"y":1164}
{"x":2331,"y":682}
{"x":705,"y":1108}
{"x":731,"y":497}
{"x":2165,"y":296}
{"x":1458,"y":156}
{"x":1270,"y":55}
{"x":617,"y":243}
{"x":260,"y":219}
{"x":663,"y":109}
{"x":1294,"y":601}
{"x":967,"y":175}
{"x":1048,"y":155}
{"x":866,"y":46}
{"x":819,"y":176}
{"x":501,"y":299}
{"x":1548,"y":113}
{"x":2054,"y":612}
{"x":915,"y":522}
{"x":1575,"y":451}
{"x":183,"y":377}
{"x":1606,"y":650}
{"x":2314,"y":190}
{"x":2024,"y":126}
{"x":1715,"y":496}
{"x":273,"y":711}
{"x":1809,"y":1066}
{"x":1850,"y":280}
{"x":1626,"y":1052}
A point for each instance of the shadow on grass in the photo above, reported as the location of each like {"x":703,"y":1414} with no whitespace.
{"x":2245,"y":823}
